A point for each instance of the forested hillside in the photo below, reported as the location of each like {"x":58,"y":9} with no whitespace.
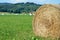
{"x":19,"y":7}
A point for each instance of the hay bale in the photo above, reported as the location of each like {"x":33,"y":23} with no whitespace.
{"x":46,"y":22}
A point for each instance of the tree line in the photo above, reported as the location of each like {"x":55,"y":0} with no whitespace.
{"x":19,"y":7}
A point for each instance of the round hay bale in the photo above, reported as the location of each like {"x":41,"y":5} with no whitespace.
{"x":46,"y":22}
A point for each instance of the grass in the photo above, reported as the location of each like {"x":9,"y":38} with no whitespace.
{"x":16,"y":27}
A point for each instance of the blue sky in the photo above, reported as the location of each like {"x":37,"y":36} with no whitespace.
{"x":35,"y":1}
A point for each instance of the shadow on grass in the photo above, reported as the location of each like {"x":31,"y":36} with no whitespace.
{"x":43,"y":38}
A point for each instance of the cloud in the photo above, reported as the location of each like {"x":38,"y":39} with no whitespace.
{"x":35,"y":1}
{"x":16,"y":1}
{"x":41,"y":0}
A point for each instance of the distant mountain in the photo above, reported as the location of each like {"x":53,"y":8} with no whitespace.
{"x":19,"y":7}
{"x":5,"y":3}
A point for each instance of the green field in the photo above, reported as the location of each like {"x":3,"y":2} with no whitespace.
{"x":16,"y":27}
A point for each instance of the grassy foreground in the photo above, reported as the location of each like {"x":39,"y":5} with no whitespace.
{"x":16,"y":27}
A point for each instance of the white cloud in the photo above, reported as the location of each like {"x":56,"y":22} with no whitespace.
{"x":16,"y":1}
{"x":41,"y":0}
{"x":35,"y":1}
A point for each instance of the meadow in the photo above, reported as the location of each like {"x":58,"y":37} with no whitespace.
{"x":16,"y":27}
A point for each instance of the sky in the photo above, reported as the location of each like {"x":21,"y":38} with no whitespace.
{"x":35,"y":1}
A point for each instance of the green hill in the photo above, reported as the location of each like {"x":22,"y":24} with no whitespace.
{"x":19,"y":7}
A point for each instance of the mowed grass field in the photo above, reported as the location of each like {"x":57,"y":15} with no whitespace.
{"x":16,"y":27}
